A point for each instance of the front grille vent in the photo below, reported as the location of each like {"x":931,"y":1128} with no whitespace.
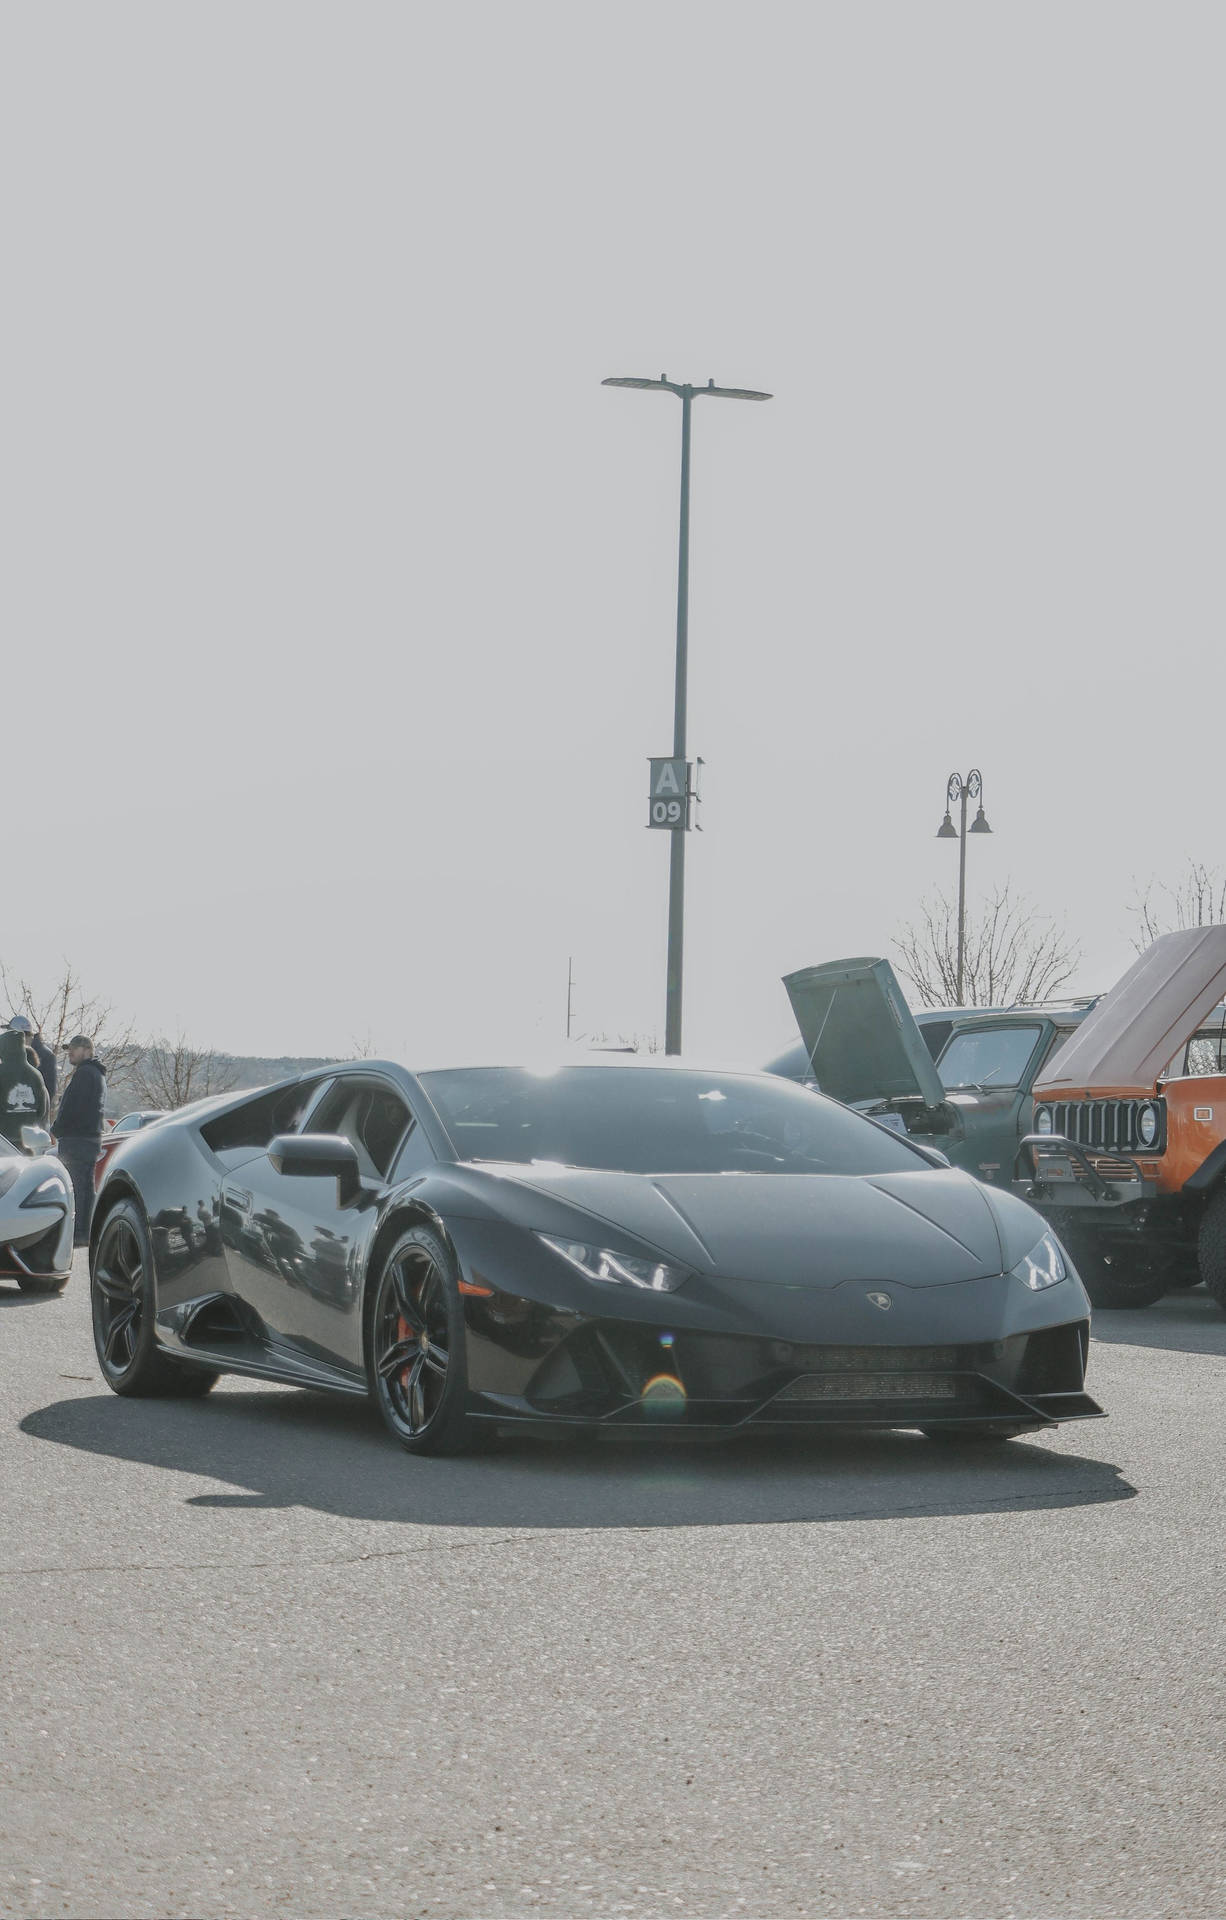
{"x":1105,"y":1126}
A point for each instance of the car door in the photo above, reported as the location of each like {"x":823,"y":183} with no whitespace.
{"x":293,"y":1249}
{"x":988,"y":1069}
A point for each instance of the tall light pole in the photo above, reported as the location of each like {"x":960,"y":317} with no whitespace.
{"x":680,"y":825}
{"x":958,"y":790}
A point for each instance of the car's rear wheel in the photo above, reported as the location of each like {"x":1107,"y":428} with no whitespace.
{"x":1211,"y":1247}
{"x":121,"y":1301}
{"x":415,"y":1358}
{"x":1121,"y":1276}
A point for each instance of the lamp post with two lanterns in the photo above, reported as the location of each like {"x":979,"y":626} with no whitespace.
{"x":959,"y":791}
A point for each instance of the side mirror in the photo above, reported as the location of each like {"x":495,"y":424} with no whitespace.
{"x":318,"y":1156}
{"x":36,"y":1140}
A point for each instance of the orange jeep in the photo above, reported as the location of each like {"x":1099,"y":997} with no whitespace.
{"x":1128,"y":1152}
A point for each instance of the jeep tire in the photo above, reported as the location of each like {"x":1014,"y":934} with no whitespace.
{"x":1211,"y":1247}
{"x":1117,"y":1277}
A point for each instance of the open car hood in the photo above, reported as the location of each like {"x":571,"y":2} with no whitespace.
{"x":1137,"y":1029}
{"x":859,"y":1034}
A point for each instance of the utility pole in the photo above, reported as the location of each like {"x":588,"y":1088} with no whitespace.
{"x":570,"y":990}
{"x":671,"y":790}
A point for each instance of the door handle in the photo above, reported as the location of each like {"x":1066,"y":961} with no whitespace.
{"x":237,"y":1198}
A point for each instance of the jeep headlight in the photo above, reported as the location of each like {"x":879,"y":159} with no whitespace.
{"x":1043,"y":1121}
{"x":1149,"y":1123}
{"x":1043,"y":1266}
{"x":618,"y":1269}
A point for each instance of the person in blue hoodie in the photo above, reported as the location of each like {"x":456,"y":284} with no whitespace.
{"x":77,"y":1128}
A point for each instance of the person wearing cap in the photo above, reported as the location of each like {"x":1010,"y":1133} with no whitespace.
{"x":36,"y":1045}
{"x":78,"y":1127}
{"x":23,"y":1097}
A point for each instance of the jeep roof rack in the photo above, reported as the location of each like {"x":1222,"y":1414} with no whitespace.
{"x":1075,"y":1003}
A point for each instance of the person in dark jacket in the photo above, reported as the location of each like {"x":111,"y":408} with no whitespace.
{"x":78,"y":1127}
{"x":36,"y":1045}
{"x":23,"y":1097}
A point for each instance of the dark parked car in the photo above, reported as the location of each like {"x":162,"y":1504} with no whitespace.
{"x":603,"y":1244}
{"x":965,"y":1087}
{"x":117,"y":1137}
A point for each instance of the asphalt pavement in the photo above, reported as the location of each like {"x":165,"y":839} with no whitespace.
{"x":257,"y":1661}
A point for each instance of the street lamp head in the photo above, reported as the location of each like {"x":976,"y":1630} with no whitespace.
{"x":733,"y":393}
{"x":947,"y":829}
{"x":979,"y":824}
{"x":665,"y":385}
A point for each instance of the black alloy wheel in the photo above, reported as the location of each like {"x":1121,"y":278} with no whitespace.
{"x":415,"y":1347}
{"x":121,"y":1299}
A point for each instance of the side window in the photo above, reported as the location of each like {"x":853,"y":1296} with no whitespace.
{"x":1206,"y":1054}
{"x":369,"y":1115}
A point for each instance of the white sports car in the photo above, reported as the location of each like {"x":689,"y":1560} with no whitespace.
{"x":36,"y":1214}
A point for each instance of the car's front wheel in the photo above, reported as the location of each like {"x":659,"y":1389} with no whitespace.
{"x":122,"y":1304}
{"x":415,"y":1358}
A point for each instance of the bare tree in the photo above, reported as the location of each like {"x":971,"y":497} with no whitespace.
{"x":604,"y":1042}
{"x":170,"y":1073}
{"x":63,"y":1008}
{"x":1196,"y":899}
{"x":1012,"y":953}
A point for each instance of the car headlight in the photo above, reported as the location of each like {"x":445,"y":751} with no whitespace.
{"x":1043,"y":1122}
{"x":1044,"y":1265}
{"x":1148,"y":1124}
{"x":618,"y":1269}
{"x":50,"y":1192}
{"x":8,"y":1175}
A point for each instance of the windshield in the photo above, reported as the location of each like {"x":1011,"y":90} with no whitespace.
{"x":987,"y":1057}
{"x":658,"y":1120}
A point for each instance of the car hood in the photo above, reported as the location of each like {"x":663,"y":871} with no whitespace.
{"x":919,"y":1229}
{"x":1137,"y":1029}
{"x":859,"y":1033}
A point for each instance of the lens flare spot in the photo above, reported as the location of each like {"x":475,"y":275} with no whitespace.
{"x":664,"y":1392}
{"x":668,"y":1339}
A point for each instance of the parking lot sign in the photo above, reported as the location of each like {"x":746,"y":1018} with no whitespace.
{"x":668,"y":803}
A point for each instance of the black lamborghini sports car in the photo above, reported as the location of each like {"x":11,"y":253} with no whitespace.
{"x":606,"y":1243}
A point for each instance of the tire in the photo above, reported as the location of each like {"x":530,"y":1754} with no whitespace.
{"x":42,"y":1283}
{"x":415,"y":1351}
{"x":1211,"y":1248}
{"x":1121,"y":1278}
{"x":121,"y":1303}
{"x":972,"y":1432}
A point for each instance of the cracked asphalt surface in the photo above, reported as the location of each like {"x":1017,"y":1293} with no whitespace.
{"x":257,"y":1661}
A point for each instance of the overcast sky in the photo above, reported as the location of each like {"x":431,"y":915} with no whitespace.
{"x":339,"y":597}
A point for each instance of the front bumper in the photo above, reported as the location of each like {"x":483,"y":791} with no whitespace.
{"x":721,"y":1356}
{"x":1064,"y":1176}
{"x":36,"y":1243}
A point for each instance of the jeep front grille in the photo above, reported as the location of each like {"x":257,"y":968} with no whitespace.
{"x":1105,"y":1126}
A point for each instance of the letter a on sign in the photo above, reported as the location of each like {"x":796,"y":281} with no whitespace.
{"x":669,"y":779}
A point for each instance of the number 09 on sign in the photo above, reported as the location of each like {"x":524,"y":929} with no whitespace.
{"x":668,"y":804}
